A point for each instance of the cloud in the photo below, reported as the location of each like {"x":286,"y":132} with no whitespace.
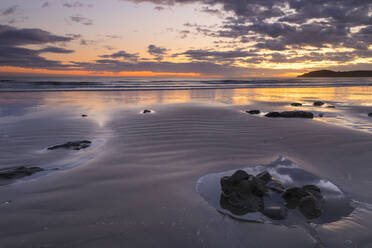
{"x":123,"y":55}
{"x":281,"y":24}
{"x":156,"y":51}
{"x":10,"y":10}
{"x":76,"y":5}
{"x":206,"y":68}
{"x":51,"y":49}
{"x":46,"y":5}
{"x":208,"y":55}
{"x":81,"y":19}
{"x":28,"y":36}
{"x":159,"y":8}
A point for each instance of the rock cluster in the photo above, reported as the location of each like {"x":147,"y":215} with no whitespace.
{"x":296,"y":104}
{"x":243,"y":193}
{"x":74,"y":145}
{"x":291,"y":114}
{"x":19,"y":172}
{"x":253,"y":112}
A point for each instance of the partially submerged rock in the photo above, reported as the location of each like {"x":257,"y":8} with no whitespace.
{"x":285,"y":175}
{"x":74,"y":145}
{"x":253,"y":112}
{"x":19,"y":172}
{"x":308,"y":199}
{"x":146,"y":111}
{"x":84,"y":115}
{"x":296,"y":104}
{"x":318,"y":103}
{"x":331,"y":106}
{"x":291,"y":114}
{"x":243,"y":193}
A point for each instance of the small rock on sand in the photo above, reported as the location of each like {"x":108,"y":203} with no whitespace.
{"x":253,"y":112}
{"x":84,"y":115}
{"x":74,"y":145}
{"x":318,"y":103}
{"x":146,"y":111}
{"x":296,"y":104}
{"x":19,"y":172}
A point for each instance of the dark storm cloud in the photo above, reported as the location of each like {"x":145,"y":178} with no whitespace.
{"x":28,"y":36}
{"x":26,"y":58}
{"x":11,"y":54}
{"x":81,"y":20}
{"x":282,"y":24}
{"x":123,"y":55}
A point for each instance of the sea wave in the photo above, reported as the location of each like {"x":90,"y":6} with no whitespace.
{"x":127,"y":84}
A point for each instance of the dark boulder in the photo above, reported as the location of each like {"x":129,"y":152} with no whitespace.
{"x":146,"y":111}
{"x":19,"y":172}
{"x":242,"y":193}
{"x":84,"y":116}
{"x":308,"y":199}
{"x":265,"y":177}
{"x":314,"y":190}
{"x":238,"y":176}
{"x":291,"y":114}
{"x":275,"y":212}
{"x":318,"y":103}
{"x":310,"y":207}
{"x":74,"y":145}
{"x":293,"y":196}
{"x":240,"y":206}
{"x":259,"y":188}
{"x":296,"y":104}
{"x":370,"y":114}
{"x":253,"y":112}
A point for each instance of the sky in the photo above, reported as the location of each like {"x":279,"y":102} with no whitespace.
{"x":184,"y":38}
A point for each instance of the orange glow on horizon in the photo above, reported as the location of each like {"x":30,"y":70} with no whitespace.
{"x":45,"y":72}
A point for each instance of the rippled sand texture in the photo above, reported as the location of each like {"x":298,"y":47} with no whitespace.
{"x":136,"y":186}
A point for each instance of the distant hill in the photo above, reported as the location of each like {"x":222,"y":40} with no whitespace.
{"x":328,"y":73}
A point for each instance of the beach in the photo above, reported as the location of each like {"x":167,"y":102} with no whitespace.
{"x":135,"y":186}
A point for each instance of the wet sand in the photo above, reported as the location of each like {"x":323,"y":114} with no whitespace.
{"x":136,"y":185}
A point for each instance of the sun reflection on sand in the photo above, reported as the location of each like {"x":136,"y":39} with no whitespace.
{"x":99,"y":105}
